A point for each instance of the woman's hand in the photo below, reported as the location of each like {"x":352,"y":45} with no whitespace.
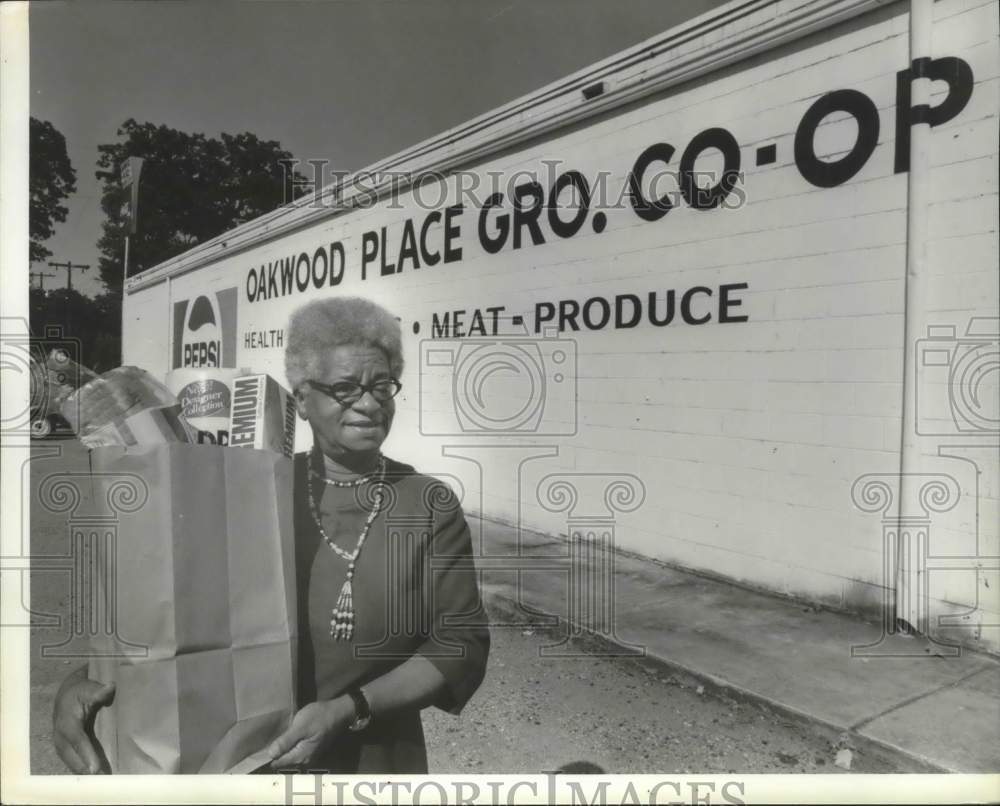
{"x":311,"y":729}
{"x":78,"y":700}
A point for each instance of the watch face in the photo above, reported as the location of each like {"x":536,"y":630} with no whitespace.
{"x":360,"y":723}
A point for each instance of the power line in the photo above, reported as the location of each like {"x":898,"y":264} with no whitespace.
{"x":41,"y":275}
{"x":69,"y":266}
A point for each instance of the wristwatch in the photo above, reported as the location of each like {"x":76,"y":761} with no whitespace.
{"x":362,"y":710}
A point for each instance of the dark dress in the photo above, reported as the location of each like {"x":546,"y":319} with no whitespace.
{"x":415,"y":592}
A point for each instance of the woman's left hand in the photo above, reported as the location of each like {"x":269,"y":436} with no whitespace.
{"x":312,"y":728}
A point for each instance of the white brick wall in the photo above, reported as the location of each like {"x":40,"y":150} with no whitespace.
{"x":747,"y":436}
{"x":963,"y":255}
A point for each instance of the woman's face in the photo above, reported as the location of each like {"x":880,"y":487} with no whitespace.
{"x":341,"y":429}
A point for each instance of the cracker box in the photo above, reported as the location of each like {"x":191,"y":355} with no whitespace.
{"x":263,"y":415}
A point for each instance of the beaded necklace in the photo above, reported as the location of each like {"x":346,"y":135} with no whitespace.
{"x":342,"y":616}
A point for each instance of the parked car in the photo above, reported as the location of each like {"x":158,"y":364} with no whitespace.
{"x":50,"y":425}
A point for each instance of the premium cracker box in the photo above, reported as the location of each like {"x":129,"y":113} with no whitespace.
{"x":263,"y":415}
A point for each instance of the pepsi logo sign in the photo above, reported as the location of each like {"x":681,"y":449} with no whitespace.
{"x":205,"y":330}
{"x":202,"y":339}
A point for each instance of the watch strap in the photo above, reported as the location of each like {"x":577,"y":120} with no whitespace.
{"x":362,"y":710}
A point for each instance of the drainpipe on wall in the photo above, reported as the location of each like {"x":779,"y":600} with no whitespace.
{"x":918,"y":188}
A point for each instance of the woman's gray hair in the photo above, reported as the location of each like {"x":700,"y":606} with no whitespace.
{"x":321,"y":326}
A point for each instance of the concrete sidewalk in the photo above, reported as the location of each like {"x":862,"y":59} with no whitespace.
{"x":930,"y":713}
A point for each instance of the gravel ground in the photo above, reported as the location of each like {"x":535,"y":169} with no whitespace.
{"x":625,"y":715}
{"x":532,"y":714}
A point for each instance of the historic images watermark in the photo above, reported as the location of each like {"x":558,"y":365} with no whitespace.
{"x":91,"y":503}
{"x":956,"y":400}
{"x":48,"y":363}
{"x":26,"y":362}
{"x":506,"y":385}
{"x":957,"y":382}
{"x":503,"y":401}
{"x":315,"y":789}
{"x":906,"y":532}
{"x":651,"y":189}
{"x":579,"y":574}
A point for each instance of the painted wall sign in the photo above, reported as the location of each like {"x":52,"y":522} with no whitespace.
{"x":535,"y":214}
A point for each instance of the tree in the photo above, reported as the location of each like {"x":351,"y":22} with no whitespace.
{"x":192,"y":188}
{"x":51,"y":178}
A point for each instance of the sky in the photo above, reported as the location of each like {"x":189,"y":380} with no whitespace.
{"x":348,"y":81}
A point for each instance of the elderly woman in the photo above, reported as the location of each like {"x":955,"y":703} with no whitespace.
{"x":390,"y":616}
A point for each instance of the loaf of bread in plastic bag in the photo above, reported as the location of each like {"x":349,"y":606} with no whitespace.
{"x":125,"y":406}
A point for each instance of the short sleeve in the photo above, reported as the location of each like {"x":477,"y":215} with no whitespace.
{"x":459,"y":640}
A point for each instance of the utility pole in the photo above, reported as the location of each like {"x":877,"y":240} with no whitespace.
{"x":130,"y":170}
{"x":41,"y":275}
{"x":69,"y":266}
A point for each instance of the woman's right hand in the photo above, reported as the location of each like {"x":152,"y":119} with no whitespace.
{"x":78,"y":700}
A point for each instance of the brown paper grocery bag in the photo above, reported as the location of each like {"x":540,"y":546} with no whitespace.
{"x":204,"y":640}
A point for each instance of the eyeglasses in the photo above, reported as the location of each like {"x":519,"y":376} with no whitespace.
{"x":348,"y":393}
